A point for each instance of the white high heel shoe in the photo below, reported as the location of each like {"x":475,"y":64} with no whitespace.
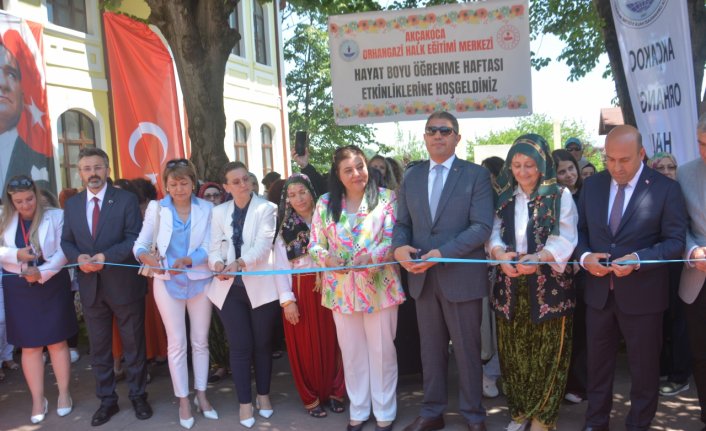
{"x":208,"y":414}
{"x":249,"y":422}
{"x":63,"y":411}
{"x":40,"y":417}
{"x":265,"y":413}
{"x":187,"y":423}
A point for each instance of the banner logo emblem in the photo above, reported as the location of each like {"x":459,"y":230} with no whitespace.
{"x":639,"y":13}
{"x":349,"y":50}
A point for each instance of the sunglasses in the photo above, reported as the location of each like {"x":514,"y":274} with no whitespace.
{"x":573,"y":149}
{"x":445,"y":131}
{"x":177,"y":162}
{"x":22,"y":183}
{"x":212,"y":195}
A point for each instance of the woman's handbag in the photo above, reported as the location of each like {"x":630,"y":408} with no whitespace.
{"x":145,"y":270}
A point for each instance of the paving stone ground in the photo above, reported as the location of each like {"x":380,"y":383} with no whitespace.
{"x":674,"y":413}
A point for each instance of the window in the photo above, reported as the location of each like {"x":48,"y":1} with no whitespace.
{"x":260,"y":33}
{"x":267,"y":159}
{"x":234,"y":22}
{"x":75,"y":132}
{"x":67,"y":13}
{"x":241,"y":143}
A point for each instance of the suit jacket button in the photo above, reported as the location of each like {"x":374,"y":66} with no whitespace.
{"x":612,"y":246}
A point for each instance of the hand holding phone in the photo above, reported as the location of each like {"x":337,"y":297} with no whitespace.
{"x":300,"y":141}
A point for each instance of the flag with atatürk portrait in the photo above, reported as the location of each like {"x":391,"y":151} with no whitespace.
{"x":145,"y":106}
{"x":25,"y":129}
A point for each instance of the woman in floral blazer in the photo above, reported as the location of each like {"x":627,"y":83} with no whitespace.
{"x":352,"y":226}
{"x":534,"y":299}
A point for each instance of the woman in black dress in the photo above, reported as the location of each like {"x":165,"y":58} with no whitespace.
{"x":37,"y":290}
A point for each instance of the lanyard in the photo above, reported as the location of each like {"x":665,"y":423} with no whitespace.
{"x":25,"y":234}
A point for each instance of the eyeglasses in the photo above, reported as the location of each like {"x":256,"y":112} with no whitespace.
{"x":177,"y":162}
{"x":445,"y":131}
{"x":573,"y":149}
{"x":22,"y":183}
{"x":241,"y":181}
{"x":89,"y":169}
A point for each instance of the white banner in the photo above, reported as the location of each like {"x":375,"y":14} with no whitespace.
{"x":655,"y":47}
{"x":470,"y":59}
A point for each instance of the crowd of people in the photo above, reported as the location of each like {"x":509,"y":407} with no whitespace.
{"x":576,"y":260}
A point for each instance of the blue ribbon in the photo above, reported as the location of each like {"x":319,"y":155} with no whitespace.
{"x":372,"y":265}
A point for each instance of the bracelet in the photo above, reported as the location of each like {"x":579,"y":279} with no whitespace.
{"x":286,"y":303}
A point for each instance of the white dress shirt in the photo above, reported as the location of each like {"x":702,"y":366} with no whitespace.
{"x":432,"y":174}
{"x":560,"y":246}
{"x":89,"y":204}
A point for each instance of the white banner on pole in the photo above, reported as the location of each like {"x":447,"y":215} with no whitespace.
{"x":655,"y":47}
{"x":471,"y":59}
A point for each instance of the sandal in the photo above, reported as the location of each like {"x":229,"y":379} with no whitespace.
{"x":317,"y":412}
{"x":336,"y":406}
{"x":11,"y":365}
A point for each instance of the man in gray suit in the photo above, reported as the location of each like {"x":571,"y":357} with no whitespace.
{"x":692,"y":178}
{"x":445,"y":209}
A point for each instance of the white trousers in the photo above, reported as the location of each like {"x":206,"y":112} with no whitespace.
{"x":173,"y":315}
{"x":369,"y":362}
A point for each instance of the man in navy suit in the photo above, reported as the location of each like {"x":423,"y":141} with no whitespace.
{"x":445,"y":209}
{"x":101,"y":225}
{"x":627,"y":214}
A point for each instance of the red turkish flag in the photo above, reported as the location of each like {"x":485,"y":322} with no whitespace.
{"x":144,"y":98}
{"x":24,"y":103}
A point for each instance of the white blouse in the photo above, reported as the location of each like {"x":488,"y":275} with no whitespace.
{"x":560,"y":246}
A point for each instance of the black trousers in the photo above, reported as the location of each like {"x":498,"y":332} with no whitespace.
{"x":695,"y":318}
{"x":131,"y":324}
{"x":249,"y":332}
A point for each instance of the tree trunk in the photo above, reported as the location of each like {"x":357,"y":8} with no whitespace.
{"x":201,"y":41}
{"x":616,"y":62}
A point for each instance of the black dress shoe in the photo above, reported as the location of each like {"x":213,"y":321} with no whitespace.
{"x":103,"y":414}
{"x":142,"y":408}
{"x":595,"y":428}
{"x":426,"y":424}
{"x":358,"y":427}
{"x":385,"y":428}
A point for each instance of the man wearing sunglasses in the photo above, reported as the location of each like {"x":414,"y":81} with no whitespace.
{"x":17,"y":158}
{"x":445,"y":209}
{"x":101,"y":225}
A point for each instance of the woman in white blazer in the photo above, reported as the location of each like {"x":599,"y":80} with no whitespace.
{"x":38,"y":300}
{"x":182,"y":223}
{"x":242,"y":232}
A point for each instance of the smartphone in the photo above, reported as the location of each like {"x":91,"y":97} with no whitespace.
{"x":604,"y":261}
{"x":300,"y":139}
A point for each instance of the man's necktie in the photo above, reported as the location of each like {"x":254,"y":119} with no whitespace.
{"x":436,"y":189}
{"x":96,"y":215}
{"x":616,"y":213}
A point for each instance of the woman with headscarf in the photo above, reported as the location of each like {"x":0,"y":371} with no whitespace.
{"x":534,"y":233}
{"x":309,"y":329}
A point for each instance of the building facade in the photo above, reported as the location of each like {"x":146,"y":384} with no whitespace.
{"x":77,"y":85}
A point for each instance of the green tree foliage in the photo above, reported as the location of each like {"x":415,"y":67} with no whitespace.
{"x":310,"y":99}
{"x":542,"y":125}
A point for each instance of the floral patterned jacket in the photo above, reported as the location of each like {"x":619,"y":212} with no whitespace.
{"x":365,"y":290}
